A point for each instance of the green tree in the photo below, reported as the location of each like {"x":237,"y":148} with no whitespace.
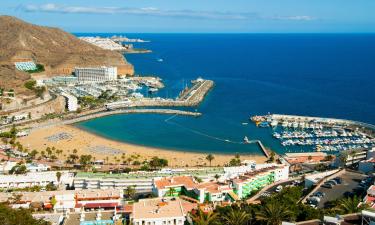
{"x":18,"y":169}
{"x":272,"y":157}
{"x":210,"y":158}
{"x":49,"y":151}
{"x":9,"y":216}
{"x":236,"y":217}
{"x":157,"y":162}
{"x":85,"y":161}
{"x":201,"y":218}
{"x":172,"y":191}
{"x":58,"y":176}
{"x":130,"y":191}
{"x":273,"y":213}
{"x":51,"y":187}
{"x":30,"y":84}
{"x":349,"y":205}
{"x":72,"y":158}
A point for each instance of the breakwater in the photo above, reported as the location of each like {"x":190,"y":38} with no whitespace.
{"x":331,"y":121}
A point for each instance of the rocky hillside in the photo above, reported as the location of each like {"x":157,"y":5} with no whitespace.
{"x":54,"y":48}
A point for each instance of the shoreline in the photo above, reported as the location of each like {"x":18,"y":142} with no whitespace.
{"x":84,"y":141}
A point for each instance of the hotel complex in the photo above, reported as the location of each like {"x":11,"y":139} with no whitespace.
{"x":95,"y":74}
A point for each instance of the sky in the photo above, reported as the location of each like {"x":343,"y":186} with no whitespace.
{"x":198,"y":16}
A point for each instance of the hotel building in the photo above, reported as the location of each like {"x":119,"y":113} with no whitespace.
{"x":187,"y":186}
{"x":251,"y":182}
{"x":95,"y":74}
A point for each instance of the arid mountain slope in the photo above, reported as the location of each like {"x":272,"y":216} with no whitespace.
{"x":56,"y":49}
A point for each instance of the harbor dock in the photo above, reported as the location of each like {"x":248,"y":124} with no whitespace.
{"x":188,"y":98}
{"x":315,"y":134}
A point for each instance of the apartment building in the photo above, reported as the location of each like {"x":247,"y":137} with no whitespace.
{"x":34,"y":179}
{"x":95,"y":74}
{"x":160,"y":211}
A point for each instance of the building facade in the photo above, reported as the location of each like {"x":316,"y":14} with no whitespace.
{"x":158,"y":212}
{"x":34,"y":179}
{"x":71,"y":102}
{"x":95,"y":74}
{"x":251,"y":182}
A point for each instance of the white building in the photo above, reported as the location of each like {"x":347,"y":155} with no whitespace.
{"x":34,"y":179}
{"x":71,"y":102}
{"x":349,"y":157}
{"x":141,"y":185}
{"x":95,"y":74}
{"x":69,"y":200}
{"x":314,"y":178}
{"x":5,"y":167}
{"x":158,"y":212}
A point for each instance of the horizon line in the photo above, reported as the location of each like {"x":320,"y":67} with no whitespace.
{"x":122,"y":32}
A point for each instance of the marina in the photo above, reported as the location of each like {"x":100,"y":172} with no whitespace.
{"x":297,"y":133}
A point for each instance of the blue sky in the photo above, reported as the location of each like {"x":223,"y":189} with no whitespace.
{"x":276,"y":16}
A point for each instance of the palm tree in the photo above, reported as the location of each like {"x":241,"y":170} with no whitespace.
{"x":130,"y":191}
{"x":236,"y":217}
{"x":49,"y":151}
{"x":350,"y":205}
{"x":273,"y":213}
{"x":201,"y":218}
{"x":172,"y":191}
{"x":129,"y":160}
{"x":58,"y":176}
{"x":209,"y":158}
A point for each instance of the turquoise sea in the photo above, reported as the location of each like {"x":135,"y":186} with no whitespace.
{"x":325,"y":75}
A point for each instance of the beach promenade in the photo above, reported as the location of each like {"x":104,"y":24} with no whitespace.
{"x":98,"y":114}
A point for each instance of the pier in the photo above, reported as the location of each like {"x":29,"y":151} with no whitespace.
{"x":264,"y":150}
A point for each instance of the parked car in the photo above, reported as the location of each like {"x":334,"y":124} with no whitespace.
{"x":319,"y":194}
{"x":333,"y":182}
{"x":313,"y":200}
{"x":338,"y":180}
{"x":279,"y":188}
{"x":328,"y":185}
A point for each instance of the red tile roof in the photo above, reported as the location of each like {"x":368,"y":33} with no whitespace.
{"x":167,"y":182}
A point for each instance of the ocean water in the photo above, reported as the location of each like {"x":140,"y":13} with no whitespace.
{"x":325,"y":75}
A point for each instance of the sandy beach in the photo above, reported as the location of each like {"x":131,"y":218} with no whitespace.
{"x":68,"y":137}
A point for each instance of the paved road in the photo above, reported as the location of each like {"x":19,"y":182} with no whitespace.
{"x":350,"y":181}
